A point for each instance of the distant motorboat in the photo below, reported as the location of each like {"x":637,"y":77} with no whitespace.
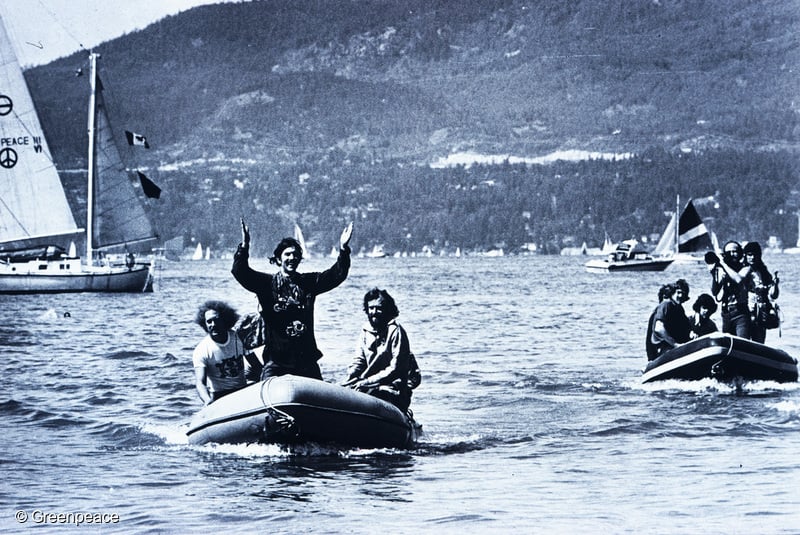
{"x":376,"y":252}
{"x":628,"y":256}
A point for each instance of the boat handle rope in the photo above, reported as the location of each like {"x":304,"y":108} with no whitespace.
{"x":730,"y":348}
{"x":268,"y":404}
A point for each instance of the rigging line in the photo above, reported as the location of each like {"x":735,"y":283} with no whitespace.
{"x":57,"y":21}
{"x":17,"y":221}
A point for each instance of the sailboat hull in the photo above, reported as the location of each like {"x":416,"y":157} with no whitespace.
{"x":113,"y":279}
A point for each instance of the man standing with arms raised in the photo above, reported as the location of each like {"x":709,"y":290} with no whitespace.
{"x":287,"y":302}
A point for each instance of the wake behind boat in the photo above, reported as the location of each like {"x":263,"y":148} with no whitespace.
{"x":291,"y":409}
{"x":628,"y":256}
{"x":35,"y":218}
{"x":723,"y":357}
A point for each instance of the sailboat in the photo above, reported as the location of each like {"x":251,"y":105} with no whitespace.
{"x":686,"y":238}
{"x":198,"y":252}
{"x":35,"y":217}
{"x":298,"y":235}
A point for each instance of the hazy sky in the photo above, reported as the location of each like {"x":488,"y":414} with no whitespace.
{"x":43,"y":30}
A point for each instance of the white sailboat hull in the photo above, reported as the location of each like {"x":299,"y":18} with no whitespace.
{"x":59,"y":276}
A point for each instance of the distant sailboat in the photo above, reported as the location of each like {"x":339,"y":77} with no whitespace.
{"x":298,"y":235}
{"x":376,"y":252}
{"x":686,"y":238}
{"x":208,"y":253}
{"x":198,"y":252}
{"x":35,"y":214}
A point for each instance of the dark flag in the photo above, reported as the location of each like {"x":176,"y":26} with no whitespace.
{"x":149,"y":187}
{"x":136,"y":139}
{"x":98,"y":83}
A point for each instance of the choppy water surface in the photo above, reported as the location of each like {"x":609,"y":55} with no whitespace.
{"x":533,"y":413}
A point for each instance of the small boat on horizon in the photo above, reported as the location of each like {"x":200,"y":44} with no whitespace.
{"x":723,"y":357}
{"x":628,"y":256}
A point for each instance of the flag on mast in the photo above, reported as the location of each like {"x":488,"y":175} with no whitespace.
{"x":136,"y":139}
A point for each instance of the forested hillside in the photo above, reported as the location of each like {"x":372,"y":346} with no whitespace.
{"x":293,"y":111}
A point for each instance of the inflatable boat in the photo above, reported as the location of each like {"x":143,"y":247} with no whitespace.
{"x":291,"y":409}
{"x":723,"y":357}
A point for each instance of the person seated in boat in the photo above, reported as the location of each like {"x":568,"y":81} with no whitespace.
{"x":287,"y":302}
{"x":651,"y":347}
{"x":762,"y":288}
{"x":384,"y":365}
{"x":701,"y":322}
{"x":728,"y":286}
{"x":219,"y":357}
{"x":670,"y":324}
{"x":681,"y":291}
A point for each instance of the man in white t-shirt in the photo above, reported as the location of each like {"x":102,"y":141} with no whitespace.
{"x":219,"y":357}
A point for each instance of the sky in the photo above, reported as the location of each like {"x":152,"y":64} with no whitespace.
{"x":44,"y":30}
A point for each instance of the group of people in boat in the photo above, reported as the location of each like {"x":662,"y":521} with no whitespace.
{"x":741,"y":284}
{"x":383,"y":366}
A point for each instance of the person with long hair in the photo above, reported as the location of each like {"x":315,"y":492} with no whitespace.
{"x":287,"y":299}
{"x":218,"y":360}
{"x":762,"y":288}
{"x":384,"y":365}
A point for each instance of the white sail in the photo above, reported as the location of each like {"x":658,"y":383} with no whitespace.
{"x":666,"y":245}
{"x":33,"y":206}
{"x":298,"y":235}
{"x":198,"y":252}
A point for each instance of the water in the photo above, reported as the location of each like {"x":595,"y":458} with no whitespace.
{"x":533,"y":414}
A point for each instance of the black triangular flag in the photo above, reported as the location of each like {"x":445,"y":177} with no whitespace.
{"x":149,"y":187}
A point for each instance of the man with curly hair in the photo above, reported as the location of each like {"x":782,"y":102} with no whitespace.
{"x":219,"y":357}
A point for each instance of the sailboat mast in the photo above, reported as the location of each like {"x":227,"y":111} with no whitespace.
{"x":91,"y":169}
{"x":677,"y":223}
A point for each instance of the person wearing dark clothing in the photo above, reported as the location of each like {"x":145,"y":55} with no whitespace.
{"x":701,"y":322}
{"x":670,"y":324}
{"x":651,"y":347}
{"x":287,"y":302}
{"x":761,"y":287}
{"x":728,"y":286}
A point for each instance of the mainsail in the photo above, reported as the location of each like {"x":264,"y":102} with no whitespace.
{"x":33,"y":206}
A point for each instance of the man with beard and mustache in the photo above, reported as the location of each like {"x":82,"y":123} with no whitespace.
{"x":287,"y":301}
{"x":384,"y":365}
{"x":219,"y":358}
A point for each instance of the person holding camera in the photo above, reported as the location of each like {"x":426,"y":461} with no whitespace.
{"x":728,"y":285}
